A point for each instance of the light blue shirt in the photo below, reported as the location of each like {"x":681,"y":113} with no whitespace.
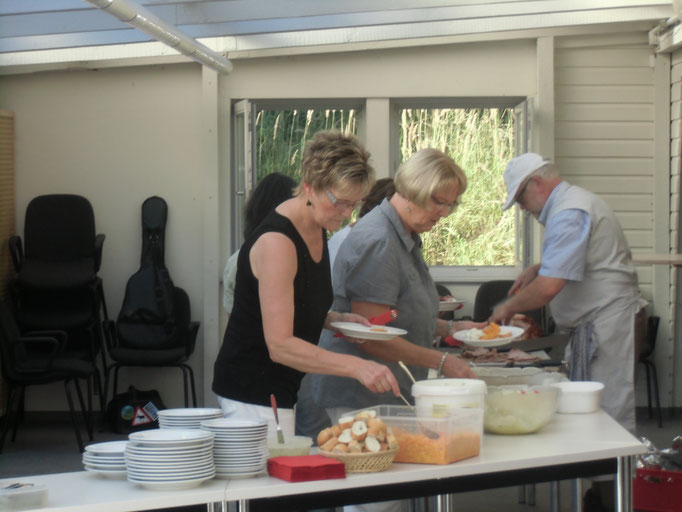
{"x":567,"y":235}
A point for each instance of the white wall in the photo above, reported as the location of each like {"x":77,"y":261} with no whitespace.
{"x":612,"y":101}
{"x":117,"y":136}
{"x":120,"y":135}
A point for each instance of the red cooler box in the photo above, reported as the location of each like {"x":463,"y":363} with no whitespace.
{"x":656,"y":490}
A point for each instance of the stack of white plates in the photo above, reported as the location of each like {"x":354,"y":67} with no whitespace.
{"x":240,"y":448}
{"x":106,"y":459}
{"x":170,"y":459}
{"x":187,"y":417}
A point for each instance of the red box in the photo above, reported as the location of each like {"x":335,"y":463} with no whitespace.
{"x":657,"y":490}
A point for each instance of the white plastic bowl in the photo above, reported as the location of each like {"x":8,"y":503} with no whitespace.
{"x":519,"y":409}
{"x":298,"y":445}
{"x":440,"y":397}
{"x":579,"y":397}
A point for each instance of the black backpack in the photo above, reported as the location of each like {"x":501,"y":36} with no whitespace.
{"x":147,"y":317}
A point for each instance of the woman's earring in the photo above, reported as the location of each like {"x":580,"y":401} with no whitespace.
{"x":308,"y":203}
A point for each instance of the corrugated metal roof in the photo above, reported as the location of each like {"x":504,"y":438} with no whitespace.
{"x":42,"y":31}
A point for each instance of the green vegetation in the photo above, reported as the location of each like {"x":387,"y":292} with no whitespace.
{"x":479,"y":140}
{"x":281,"y":136}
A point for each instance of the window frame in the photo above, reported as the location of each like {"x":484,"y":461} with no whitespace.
{"x":245,"y":113}
{"x":523,"y":116}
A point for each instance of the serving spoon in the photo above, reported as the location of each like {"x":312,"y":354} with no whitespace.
{"x":407,"y":371}
{"x":426,"y":430}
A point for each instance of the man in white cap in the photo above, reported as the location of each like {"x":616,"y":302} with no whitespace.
{"x":587,"y":277}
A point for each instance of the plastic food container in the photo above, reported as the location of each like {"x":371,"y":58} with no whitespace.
{"x":494,"y":376}
{"x":519,"y":409}
{"x":438,"y":398}
{"x":298,"y":445}
{"x":17,"y":495}
{"x":579,"y":396}
{"x":428,"y":440}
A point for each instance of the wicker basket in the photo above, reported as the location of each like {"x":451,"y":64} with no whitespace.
{"x":364,"y":462}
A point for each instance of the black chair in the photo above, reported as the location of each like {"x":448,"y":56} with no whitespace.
{"x":651,"y":374}
{"x":57,"y":286}
{"x":34,"y":359}
{"x":491,"y":293}
{"x":150,"y":352}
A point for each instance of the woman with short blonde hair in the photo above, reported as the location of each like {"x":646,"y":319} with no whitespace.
{"x":425,"y":172}
{"x":283,"y":291}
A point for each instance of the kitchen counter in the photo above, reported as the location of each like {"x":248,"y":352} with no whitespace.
{"x":570,"y":446}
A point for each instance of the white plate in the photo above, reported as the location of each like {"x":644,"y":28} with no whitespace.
{"x":170,"y":437}
{"x":108,"y":448}
{"x":107,"y":464}
{"x":465,"y":337}
{"x":242,"y":440}
{"x":171,"y":472}
{"x":235,"y":424}
{"x":176,"y":486}
{"x":168,"y":477}
{"x":191,"y":412}
{"x":107,"y":474}
{"x":168,"y":452}
{"x":187,"y":464}
{"x":97,"y":467}
{"x":356,"y":330}
{"x":449,"y":305}
{"x":238,"y":474}
{"x":240,"y":451}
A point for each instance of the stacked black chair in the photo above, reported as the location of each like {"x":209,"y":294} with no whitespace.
{"x":154,"y":327}
{"x":37,"y":358}
{"x":645,"y":357}
{"x":56,"y":285}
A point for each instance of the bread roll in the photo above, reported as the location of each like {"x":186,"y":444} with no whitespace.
{"x":359,"y":430}
{"x":340,"y":448}
{"x":330,"y":444}
{"x":324,"y":436}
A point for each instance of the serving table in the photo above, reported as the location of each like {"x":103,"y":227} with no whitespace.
{"x":571,"y":446}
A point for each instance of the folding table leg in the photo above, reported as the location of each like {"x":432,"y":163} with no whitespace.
{"x":554,"y":498}
{"x":624,"y":485}
{"x":577,"y":491}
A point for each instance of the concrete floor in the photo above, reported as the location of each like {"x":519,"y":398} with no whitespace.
{"x":46,"y":443}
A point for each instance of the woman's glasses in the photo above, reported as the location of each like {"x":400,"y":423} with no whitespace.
{"x":340,"y":204}
{"x":444,"y":206}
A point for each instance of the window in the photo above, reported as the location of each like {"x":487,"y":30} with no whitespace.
{"x":280,"y":136}
{"x":479,"y":241}
{"x":270,"y":137}
{"x":481,"y":141}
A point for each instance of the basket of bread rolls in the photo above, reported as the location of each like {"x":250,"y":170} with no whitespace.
{"x":362,"y":442}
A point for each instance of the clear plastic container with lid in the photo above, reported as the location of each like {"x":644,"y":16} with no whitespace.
{"x":438,"y":398}
{"x":429,"y":440}
{"x":16,"y":496}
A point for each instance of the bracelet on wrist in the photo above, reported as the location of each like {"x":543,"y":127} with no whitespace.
{"x":450,"y":327}
{"x":440,"y":365}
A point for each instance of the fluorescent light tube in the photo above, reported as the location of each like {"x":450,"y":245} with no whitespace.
{"x":146,"y":22}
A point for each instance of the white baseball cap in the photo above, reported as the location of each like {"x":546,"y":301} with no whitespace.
{"x":518,"y":169}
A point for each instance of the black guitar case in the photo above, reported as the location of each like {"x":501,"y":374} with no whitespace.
{"x":147,"y":317}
